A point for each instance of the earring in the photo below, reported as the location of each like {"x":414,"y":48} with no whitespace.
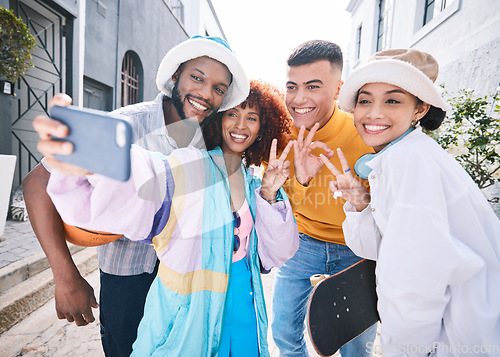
{"x":414,"y":123}
{"x":258,"y":138}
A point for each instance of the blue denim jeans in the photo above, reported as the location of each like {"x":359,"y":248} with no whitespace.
{"x":121,"y":307}
{"x":292,"y":288}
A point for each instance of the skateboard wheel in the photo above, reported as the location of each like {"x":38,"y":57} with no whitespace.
{"x":317,"y":278}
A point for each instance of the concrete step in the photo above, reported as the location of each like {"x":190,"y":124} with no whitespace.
{"x":23,"y":269}
{"x":27,"y":284}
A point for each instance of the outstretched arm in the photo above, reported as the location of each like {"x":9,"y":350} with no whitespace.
{"x":103,"y":199}
{"x":74,"y":297}
{"x":100,"y":203}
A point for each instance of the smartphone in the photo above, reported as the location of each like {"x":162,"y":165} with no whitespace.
{"x":101,"y":143}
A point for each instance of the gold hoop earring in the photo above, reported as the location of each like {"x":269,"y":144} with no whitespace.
{"x":414,"y":123}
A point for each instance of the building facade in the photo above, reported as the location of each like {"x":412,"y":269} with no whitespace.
{"x":103,"y":53}
{"x":463,"y":35}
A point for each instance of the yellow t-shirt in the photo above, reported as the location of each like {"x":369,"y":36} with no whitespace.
{"x":317,"y":213}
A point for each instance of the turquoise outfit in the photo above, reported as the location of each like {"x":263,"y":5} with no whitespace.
{"x":181,"y":204}
{"x":190,"y":323}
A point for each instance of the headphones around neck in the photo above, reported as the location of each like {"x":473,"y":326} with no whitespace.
{"x":362,"y":169}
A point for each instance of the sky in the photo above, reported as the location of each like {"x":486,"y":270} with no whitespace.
{"x":263,"y":33}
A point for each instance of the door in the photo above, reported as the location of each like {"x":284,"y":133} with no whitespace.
{"x":40,"y":83}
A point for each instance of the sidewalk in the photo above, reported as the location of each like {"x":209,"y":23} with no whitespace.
{"x":26,"y":282}
{"x":17,"y":242}
{"x":41,"y":333}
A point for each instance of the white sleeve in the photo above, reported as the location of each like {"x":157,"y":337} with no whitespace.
{"x":277,"y":232}
{"x":99,"y":203}
{"x":361,"y":233}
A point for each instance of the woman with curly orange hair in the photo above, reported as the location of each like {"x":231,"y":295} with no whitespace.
{"x":214,"y":227}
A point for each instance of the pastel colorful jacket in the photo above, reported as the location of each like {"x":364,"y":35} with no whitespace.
{"x":181,"y":205}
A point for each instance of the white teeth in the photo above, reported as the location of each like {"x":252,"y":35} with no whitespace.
{"x":198,"y":105}
{"x":376,"y":127}
{"x":303,"y":110}
{"x":237,"y":136}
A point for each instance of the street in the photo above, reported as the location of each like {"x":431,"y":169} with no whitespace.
{"x":43,"y":334}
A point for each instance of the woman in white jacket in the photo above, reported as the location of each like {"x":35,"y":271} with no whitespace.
{"x":433,"y":234}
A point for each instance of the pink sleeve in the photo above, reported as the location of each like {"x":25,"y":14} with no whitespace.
{"x":97,"y":202}
{"x":276,"y":230}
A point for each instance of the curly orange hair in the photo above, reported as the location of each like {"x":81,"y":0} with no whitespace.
{"x":275,"y":122}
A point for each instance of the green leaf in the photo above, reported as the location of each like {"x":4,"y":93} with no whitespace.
{"x":15,"y":57}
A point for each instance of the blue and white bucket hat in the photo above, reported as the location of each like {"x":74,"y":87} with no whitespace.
{"x":213,"y":47}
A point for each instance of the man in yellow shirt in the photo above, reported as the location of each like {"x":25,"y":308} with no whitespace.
{"x":313,"y":85}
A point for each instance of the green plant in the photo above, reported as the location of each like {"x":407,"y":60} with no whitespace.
{"x":16,"y":44}
{"x":471,"y":132}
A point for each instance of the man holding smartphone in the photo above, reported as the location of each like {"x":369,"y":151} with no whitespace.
{"x":197,"y":78}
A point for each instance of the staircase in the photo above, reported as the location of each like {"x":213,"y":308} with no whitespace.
{"x":27,"y":283}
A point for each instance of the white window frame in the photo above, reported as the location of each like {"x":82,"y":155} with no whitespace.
{"x":422,"y":30}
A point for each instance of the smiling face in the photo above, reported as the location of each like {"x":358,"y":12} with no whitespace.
{"x":200,"y":87}
{"x":311,"y":91}
{"x":384,"y":112}
{"x":239,"y":129}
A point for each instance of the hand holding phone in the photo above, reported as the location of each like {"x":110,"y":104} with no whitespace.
{"x":101,"y":143}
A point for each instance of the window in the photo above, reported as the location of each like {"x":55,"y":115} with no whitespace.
{"x":432,"y":8}
{"x":382,"y":24}
{"x":358,"y":42}
{"x":430,"y":14}
{"x":131,"y":79}
{"x":177,"y":8}
{"x":97,"y":95}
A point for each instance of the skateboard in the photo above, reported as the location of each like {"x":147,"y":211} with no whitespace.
{"x":342,"y":306}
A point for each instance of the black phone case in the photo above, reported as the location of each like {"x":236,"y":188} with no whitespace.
{"x":101,"y":142}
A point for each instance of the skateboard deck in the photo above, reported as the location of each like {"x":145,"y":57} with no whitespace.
{"x":342,"y":306}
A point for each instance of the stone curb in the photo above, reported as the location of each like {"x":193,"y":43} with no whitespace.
{"x":23,"y":269}
{"x":27,"y":295}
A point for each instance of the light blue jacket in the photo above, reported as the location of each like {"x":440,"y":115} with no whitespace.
{"x":191,"y":228}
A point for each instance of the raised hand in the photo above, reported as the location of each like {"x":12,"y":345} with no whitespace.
{"x":346,"y":186}
{"x":46,"y":128}
{"x":276,"y":173}
{"x":306,"y":164}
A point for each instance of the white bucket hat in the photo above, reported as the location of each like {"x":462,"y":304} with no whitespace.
{"x":410,"y":69}
{"x":213,"y":47}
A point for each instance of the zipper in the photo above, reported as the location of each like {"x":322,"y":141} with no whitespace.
{"x":226,"y":181}
{"x":259,"y":277}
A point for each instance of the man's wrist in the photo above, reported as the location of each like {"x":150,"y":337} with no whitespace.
{"x":67,"y":272}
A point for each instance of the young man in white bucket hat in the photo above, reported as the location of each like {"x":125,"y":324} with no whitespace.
{"x":197,"y":78}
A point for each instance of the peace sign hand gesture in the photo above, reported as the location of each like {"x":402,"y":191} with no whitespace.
{"x":346,"y":185}
{"x":306,"y":164}
{"x":276,"y":173}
